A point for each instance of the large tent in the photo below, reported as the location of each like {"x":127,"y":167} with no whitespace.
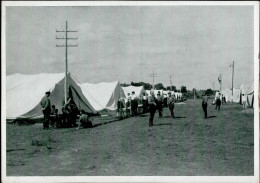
{"x":227,"y":92}
{"x":248,"y":91}
{"x":104,"y":95}
{"x":139,"y":90}
{"x":24,"y":94}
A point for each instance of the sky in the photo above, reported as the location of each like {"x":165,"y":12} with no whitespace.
{"x":194,"y":44}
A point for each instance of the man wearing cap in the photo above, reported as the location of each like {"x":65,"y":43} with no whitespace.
{"x":46,"y":109}
{"x":152,"y":107}
{"x":170,"y":103}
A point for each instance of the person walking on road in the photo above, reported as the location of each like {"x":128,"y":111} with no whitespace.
{"x":152,"y":107}
{"x":170,"y":103}
{"x":160,"y":103}
{"x":205,"y":105}
{"x":218,"y":102}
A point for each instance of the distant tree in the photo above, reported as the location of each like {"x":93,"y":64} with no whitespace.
{"x":171,"y":87}
{"x":183,"y":89}
{"x":159,"y":86}
{"x":147,"y":86}
{"x":124,"y":84}
{"x":209,"y":92}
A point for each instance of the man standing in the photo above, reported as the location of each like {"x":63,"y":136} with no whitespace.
{"x":134,"y":104}
{"x":170,"y":103}
{"x":205,"y":105}
{"x":152,"y":107}
{"x":144,"y":102}
{"x":46,"y":109}
{"x":160,"y":103}
{"x":244,"y":101}
{"x":218,"y":102}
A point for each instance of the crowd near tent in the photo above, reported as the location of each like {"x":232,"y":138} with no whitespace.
{"x":157,"y":91}
{"x":139,"y":90}
{"x":24,"y":94}
{"x":104,"y":95}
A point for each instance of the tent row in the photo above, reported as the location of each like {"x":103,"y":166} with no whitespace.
{"x":24,"y":93}
{"x":248,"y":92}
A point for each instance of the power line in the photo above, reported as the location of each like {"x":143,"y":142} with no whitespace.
{"x":66,"y":45}
{"x":153,"y":75}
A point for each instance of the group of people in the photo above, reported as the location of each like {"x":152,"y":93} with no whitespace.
{"x":218,"y":101}
{"x":67,"y":118}
{"x":156,"y":103}
{"x":130,"y":105}
{"x":133,"y":105}
{"x":70,"y":112}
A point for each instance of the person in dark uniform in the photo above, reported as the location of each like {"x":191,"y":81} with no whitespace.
{"x":205,"y":105}
{"x":134,"y":104}
{"x":170,"y":103}
{"x":74,"y":113}
{"x":160,"y":103}
{"x":152,"y":107}
{"x":46,"y":109}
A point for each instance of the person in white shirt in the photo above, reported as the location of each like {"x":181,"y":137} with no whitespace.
{"x":244,"y":101}
{"x":218,"y":102}
{"x":144,"y":102}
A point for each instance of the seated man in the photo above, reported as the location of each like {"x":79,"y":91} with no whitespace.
{"x":84,"y":120}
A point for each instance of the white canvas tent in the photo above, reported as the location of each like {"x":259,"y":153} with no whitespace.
{"x":104,"y":95}
{"x":178,"y":95}
{"x":248,"y":91}
{"x":228,"y":95}
{"x":24,"y":93}
{"x":139,"y":90}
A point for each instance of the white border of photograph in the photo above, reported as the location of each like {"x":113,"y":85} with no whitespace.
{"x":253,"y":179}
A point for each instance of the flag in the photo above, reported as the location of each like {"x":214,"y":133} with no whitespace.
{"x":219,"y":78}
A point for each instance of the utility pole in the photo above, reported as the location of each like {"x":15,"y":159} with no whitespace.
{"x":170,"y":76}
{"x":233,"y":65}
{"x":66,"y":38}
{"x":153,"y":75}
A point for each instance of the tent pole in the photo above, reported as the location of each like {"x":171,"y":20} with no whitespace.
{"x":66,"y":54}
{"x":66,"y":63}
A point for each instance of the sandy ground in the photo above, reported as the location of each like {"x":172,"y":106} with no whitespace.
{"x":223,"y":145}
